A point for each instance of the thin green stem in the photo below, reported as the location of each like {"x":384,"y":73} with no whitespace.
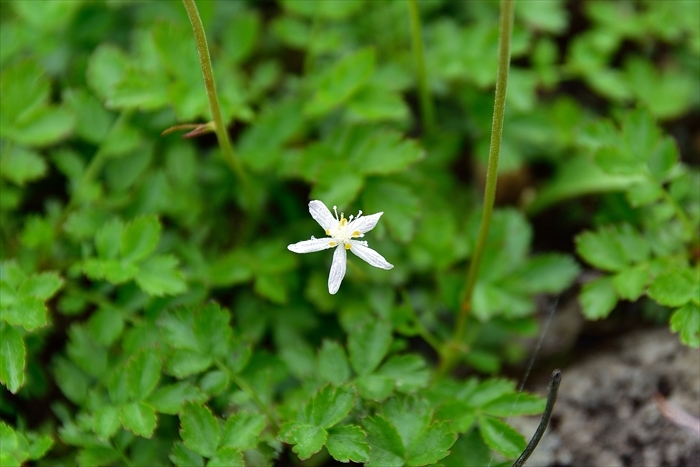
{"x":504,"y":38}
{"x":208,"y":74}
{"x":426,"y":104}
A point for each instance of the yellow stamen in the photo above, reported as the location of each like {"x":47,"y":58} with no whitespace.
{"x":357,"y":233}
{"x":332,"y":243}
{"x":343,"y":221}
{"x":347,"y":246}
{"x":328,"y":232}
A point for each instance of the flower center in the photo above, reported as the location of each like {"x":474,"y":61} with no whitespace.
{"x":341,"y":233}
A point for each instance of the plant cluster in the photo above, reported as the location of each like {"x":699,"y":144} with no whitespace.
{"x":150,"y":312}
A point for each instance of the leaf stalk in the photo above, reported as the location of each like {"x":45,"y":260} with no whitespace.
{"x":426,"y":103}
{"x":504,"y":38}
{"x":210,"y":85}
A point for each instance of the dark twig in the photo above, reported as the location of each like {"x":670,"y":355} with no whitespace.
{"x":544,"y":421}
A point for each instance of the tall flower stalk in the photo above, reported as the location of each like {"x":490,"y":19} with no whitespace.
{"x":426,"y":104}
{"x":208,"y":74}
{"x":504,"y":37}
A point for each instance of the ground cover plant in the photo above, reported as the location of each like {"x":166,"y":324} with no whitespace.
{"x":151,"y":311}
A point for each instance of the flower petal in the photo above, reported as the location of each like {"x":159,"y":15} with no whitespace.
{"x":315,"y":244}
{"x":364,"y":223}
{"x":337,"y":269}
{"x":322,"y":215}
{"x":369,"y":255}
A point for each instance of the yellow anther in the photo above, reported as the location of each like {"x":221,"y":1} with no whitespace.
{"x":347,"y":246}
{"x":332,"y":243}
{"x":343,"y":221}
{"x":328,"y":232}
{"x":357,"y":233}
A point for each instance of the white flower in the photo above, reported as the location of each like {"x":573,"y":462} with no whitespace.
{"x":341,"y":234}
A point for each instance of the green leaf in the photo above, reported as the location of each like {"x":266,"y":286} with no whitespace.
{"x":368,"y":345}
{"x":106,"y":325}
{"x":382,"y":152}
{"x":158,"y":275}
{"x":330,"y":405}
{"x":97,"y":455}
{"x":25,"y":90}
{"x":337,"y":187}
{"x":20,"y":165}
{"x":333,"y":366}
{"x":13,"y":358}
{"x":514,"y":404}
{"x":407,"y":372}
{"x":215,"y":382}
{"x":170,"y":398}
{"x":663,"y":159}
{"x":375,"y":387}
{"x":26,"y":117}
{"x":140,"y":418}
{"x":271,"y":286}
{"x":333,"y":10}
{"x":112,"y":270}
{"x":143,"y":373}
{"x":85,"y":352}
{"x":374,"y":104}
{"x":230,"y":269}
{"x":618,"y":161}
{"x":183,"y":363}
{"x":212,"y":329}
{"x":240,"y":37}
{"x":432,"y":444}
{"x":469,"y":451}
{"x":199,"y":429}
{"x":686,"y":322}
{"x":38,"y":446}
{"x":108,"y":239}
{"x":341,"y":81}
{"x":139,"y":238}
{"x":347,"y":443}
{"x":602,"y":249}
{"x":42,"y":286}
{"x":579,"y":176}
{"x":546,"y":273}
{"x":226,"y":457}
{"x":307,"y":439}
{"x":630,"y":283}
{"x":92,"y":120}
{"x":507,"y":246}
{"x":8,"y":438}
{"x":488,"y":391}
{"x":28,"y":312}
{"x":38,"y":232}
{"x":242,"y":430}
{"x":598,"y":298}
{"x":674,"y":287}
{"x":501,"y":437}
{"x":459,"y":413}
{"x":54,"y":15}
{"x":47,"y":126}
{"x":71,"y":380}
{"x":386,"y":447}
{"x":105,"y":421}
{"x":183,"y":457}
{"x":399,"y":204}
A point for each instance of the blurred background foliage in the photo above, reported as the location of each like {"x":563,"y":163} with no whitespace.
{"x":114,"y":237}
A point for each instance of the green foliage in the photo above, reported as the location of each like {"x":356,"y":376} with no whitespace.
{"x":152,"y":286}
{"x":641,"y":260}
